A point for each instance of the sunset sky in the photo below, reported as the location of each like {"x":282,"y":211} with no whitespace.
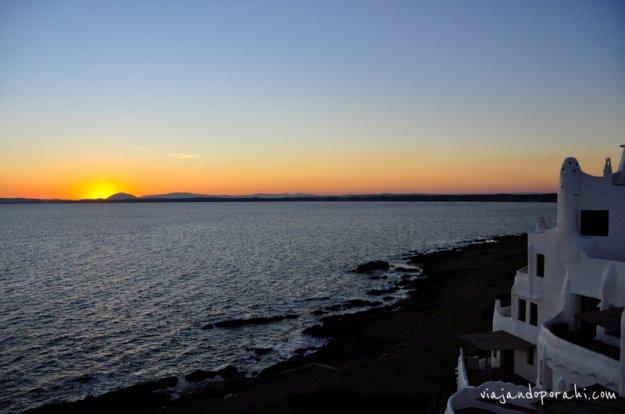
{"x":239,"y":97}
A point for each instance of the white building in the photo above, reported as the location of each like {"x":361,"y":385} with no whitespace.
{"x":565,"y":322}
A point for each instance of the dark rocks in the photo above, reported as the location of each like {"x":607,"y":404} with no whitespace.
{"x":151,"y":386}
{"x":406,"y":269}
{"x":350,"y":304}
{"x":260,"y":320}
{"x":200,"y":375}
{"x":228,"y":372}
{"x":317,"y":331}
{"x":84,"y":379}
{"x":372,"y":266}
{"x":379,"y":277}
{"x":380,"y":292}
{"x":359,"y":303}
{"x":387,"y":298}
{"x":316,"y":298}
{"x":409,"y":283}
{"x":262,"y":351}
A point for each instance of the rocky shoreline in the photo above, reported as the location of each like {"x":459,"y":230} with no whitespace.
{"x":395,"y":358}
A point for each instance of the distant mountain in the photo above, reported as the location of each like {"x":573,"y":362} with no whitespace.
{"x":278,"y":195}
{"x":121,"y":196}
{"x":193,"y":197}
{"x":173,"y":196}
{"x":22,"y":200}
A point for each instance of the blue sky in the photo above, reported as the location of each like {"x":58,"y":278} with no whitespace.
{"x":223,"y":81}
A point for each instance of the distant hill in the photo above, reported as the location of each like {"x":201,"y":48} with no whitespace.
{"x":175,"y":196}
{"x":195,"y":195}
{"x":192,"y":197}
{"x":121,"y":196}
{"x":280,"y":195}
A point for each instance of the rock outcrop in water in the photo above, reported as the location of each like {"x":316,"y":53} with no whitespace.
{"x":359,"y":303}
{"x":404,"y":269}
{"x":380,"y":292}
{"x":262,"y":351}
{"x":372,"y":266}
{"x":350,"y":304}
{"x":259,"y":320}
{"x":153,"y":385}
{"x":227,"y":372}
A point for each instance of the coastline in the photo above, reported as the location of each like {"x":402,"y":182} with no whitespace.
{"x":495,"y":197}
{"x":399,"y":357}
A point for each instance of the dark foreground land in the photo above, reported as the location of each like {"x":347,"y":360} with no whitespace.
{"x":393,"y":359}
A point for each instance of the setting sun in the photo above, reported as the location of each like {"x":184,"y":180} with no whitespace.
{"x":101,"y":189}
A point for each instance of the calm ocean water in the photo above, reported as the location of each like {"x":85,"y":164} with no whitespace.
{"x":100,"y":296}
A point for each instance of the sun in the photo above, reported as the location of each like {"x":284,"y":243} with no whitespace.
{"x":100,"y":189}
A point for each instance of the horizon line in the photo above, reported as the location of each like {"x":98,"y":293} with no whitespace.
{"x":178,"y":195}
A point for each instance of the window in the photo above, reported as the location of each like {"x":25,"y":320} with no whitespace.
{"x":615,"y":333}
{"x":533,"y":314}
{"x":530,"y":356}
{"x":521,"y":310}
{"x":588,"y":304}
{"x":594,"y":222}
{"x":540,"y":265}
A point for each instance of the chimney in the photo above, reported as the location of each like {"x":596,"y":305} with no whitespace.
{"x":618,"y":178}
{"x":607,"y":168}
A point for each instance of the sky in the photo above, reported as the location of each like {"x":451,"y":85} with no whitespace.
{"x":324,"y":97}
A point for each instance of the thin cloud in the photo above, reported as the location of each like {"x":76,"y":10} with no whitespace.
{"x":174,"y":155}
{"x":141,"y":149}
{"x":181,"y":155}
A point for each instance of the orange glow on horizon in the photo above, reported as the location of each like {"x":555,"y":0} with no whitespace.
{"x":321,"y":173}
{"x":363,"y":172}
{"x":100,"y":189}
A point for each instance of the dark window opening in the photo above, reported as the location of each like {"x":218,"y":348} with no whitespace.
{"x":614,"y":333}
{"x":521,"y":310}
{"x":533,"y":314}
{"x":586,"y":329}
{"x":540,"y":265}
{"x":594,"y":222}
{"x":530,"y":356}
{"x":588,"y":304}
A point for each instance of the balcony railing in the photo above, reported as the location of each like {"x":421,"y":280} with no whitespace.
{"x":503,"y":321}
{"x":469,"y":397}
{"x":562,"y":331}
{"x":473,"y":370}
{"x":505,"y":311}
{"x":582,"y":361}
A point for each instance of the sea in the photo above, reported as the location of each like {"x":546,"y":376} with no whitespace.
{"x":96,"y":297}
